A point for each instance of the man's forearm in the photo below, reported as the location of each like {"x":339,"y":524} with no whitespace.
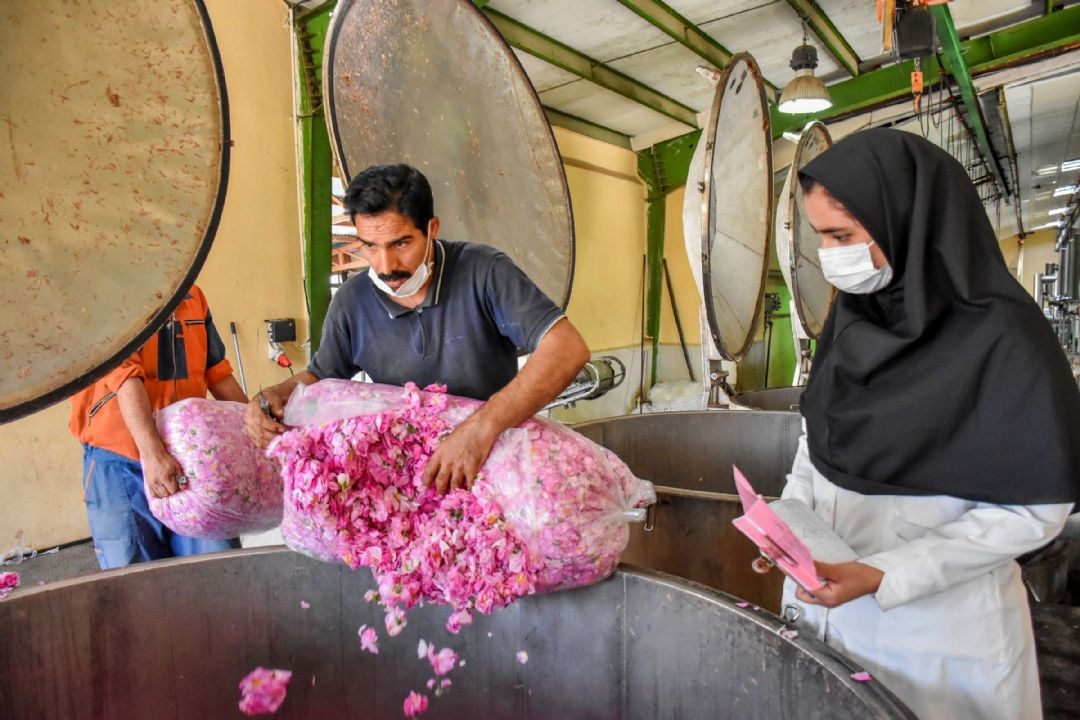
{"x":139,"y":416}
{"x":284,"y":389}
{"x":549,"y":370}
{"x":228,"y":389}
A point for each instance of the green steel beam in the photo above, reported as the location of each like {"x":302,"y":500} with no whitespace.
{"x":563,"y":56}
{"x":316,"y":168}
{"x":953,"y":57}
{"x":830,"y":37}
{"x":587,"y":128}
{"x":687,"y":34}
{"x":1026,"y":42}
{"x":655,"y":197}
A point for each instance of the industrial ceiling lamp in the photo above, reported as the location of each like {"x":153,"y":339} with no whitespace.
{"x":805,"y":93}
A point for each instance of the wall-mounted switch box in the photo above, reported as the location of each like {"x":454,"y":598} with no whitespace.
{"x":281,"y":330}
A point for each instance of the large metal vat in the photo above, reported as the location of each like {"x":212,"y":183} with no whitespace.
{"x":689,"y":457}
{"x":779,"y":399}
{"x":172,"y":640}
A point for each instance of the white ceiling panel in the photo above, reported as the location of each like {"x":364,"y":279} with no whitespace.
{"x":591,"y":102}
{"x":670,"y":69}
{"x":602,"y":29}
{"x":857,"y":21}
{"x":703,"y":11}
{"x":543,"y":74}
{"x":969,"y":15}
{"x":770,"y":32}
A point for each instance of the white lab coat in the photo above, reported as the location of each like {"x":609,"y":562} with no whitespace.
{"x":949,"y":629}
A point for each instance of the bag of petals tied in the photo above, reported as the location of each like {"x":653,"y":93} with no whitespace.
{"x":232,"y":487}
{"x":549,"y":509}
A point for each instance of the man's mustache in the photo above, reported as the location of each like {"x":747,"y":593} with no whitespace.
{"x":396,"y":275}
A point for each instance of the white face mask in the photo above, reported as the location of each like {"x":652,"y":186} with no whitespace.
{"x":851,"y":269}
{"x":411,"y":286}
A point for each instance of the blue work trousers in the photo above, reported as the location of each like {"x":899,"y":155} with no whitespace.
{"x":124,"y":530}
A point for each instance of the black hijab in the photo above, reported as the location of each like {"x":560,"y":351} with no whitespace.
{"x":949,"y":381}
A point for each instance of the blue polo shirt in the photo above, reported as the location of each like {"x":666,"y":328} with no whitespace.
{"x":480,"y":309}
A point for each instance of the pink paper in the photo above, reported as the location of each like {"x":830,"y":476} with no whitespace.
{"x":774,"y":537}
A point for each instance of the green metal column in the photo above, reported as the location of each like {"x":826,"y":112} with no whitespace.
{"x":316,"y":169}
{"x":655,"y":198}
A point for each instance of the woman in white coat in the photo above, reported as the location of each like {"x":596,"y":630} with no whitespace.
{"x":942,"y":433}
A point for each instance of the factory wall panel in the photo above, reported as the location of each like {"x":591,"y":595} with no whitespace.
{"x":253,"y":271}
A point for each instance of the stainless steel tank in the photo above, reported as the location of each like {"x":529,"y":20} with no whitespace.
{"x":779,"y":399}
{"x":171,"y":640}
{"x":689,"y":457}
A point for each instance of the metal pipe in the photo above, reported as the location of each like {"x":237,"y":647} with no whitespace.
{"x":239,"y":360}
{"x":678,"y":322}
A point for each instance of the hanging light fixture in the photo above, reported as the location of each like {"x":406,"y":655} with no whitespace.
{"x":805,"y":93}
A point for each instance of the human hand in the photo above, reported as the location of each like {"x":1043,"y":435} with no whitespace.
{"x":258,"y":426}
{"x":459,"y":457}
{"x":844,"y":582}
{"x":163,"y":475}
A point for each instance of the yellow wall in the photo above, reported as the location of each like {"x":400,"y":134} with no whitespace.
{"x":609,"y":226}
{"x":253,"y":271}
{"x":682,"y":279}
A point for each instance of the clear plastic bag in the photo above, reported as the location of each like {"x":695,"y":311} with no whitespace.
{"x":564,"y":499}
{"x":232,"y":487}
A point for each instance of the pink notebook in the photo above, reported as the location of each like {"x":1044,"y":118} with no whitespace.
{"x":774,"y":537}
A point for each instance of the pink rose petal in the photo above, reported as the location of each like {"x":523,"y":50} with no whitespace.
{"x":8,"y":582}
{"x":522,"y":657}
{"x":304,"y":605}
{"x":369,"y":639}
{"x":742,"y":604}
{"x":263,"y":690}
{"x":862,"y":677}
{"x":415,"y":704}
{"x":443,"y":661}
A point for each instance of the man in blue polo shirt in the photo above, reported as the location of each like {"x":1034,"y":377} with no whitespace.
{"x":435,"y":311}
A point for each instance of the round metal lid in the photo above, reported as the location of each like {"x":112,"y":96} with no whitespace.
{"x":737,"y":210}
{"x":116,"y":130}
{"x":797,"y":242}
{"x":431,"y":83}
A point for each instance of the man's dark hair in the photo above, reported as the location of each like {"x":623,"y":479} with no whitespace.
{"x":399,"y":187}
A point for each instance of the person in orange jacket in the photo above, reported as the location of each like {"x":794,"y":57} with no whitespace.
{"x":113,"y":419}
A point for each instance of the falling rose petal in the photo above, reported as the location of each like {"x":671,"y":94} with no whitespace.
{"x":461,"y":664}
{"x":742,"y":604}
{"x":431,"y":684}
{"x":442,"y":661}
{"x":263,"y":690}
{"x":369,"y":639}
{"x":415,"y":704}
{"x":863,"y":677}
{"x":395,"y":621}
{"x":421,"y":649}
{"x":522,"y":657}
{"x":445,"y":683}
{"x":304,"y":604}
{"x":788,"y":633}
{"x":8,"y":582}
{"x":489,"y":633}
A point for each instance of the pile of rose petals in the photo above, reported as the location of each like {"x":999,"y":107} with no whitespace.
{"x":232,"y":488}
{"x":549,"y":510}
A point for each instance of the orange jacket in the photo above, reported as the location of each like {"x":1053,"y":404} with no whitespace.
{"x":182,"y":360}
